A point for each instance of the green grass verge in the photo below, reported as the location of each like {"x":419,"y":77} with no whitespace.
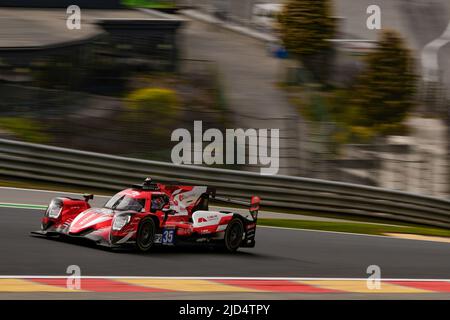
{"x":341,"y":216}
{"x":149,"y":4}
{"x":22,"y":206}
{"x":32,"y":184}
{"x":354,"y":227}
{"x":26,"y":129}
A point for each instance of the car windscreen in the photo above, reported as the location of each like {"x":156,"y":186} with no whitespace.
{"x":123,"y":202}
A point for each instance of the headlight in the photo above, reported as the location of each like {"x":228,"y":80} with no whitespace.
{"x":54,"y":208}
{"x":120,"y":222}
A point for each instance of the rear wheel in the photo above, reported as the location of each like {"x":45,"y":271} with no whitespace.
{"x":145,"y":235}
{"x":233,"y":235}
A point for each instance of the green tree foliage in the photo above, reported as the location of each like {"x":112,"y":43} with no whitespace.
{"x":24,"y":128}
{"x":384,"y":92}
{"x":305,"y":26}
{"x":157,"y":101}
{"x":152,"y":111}
{"x":149,"y":4}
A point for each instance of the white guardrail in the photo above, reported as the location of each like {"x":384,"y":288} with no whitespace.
{"x":95,"y":170}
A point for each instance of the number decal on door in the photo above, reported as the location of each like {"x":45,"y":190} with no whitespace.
{"x":167,"y":236}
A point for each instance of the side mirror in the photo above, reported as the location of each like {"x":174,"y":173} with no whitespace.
{"x":167,"y":209}
{"x":88,"y":197}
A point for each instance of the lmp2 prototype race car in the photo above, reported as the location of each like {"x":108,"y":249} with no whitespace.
{"x":152,"y":214}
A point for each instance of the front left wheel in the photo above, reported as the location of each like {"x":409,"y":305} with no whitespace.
{"x":145,"y":235}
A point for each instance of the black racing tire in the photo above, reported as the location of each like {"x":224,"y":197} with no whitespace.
{"x":233,"y":236}
{"x":145,"y":235}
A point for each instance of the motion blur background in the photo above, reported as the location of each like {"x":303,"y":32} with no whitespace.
{"x":352,"y":104}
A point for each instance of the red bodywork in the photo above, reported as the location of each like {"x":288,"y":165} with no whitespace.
{"x":179,"y":211}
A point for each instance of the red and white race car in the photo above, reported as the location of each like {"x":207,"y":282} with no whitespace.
{"x":152,"y":214}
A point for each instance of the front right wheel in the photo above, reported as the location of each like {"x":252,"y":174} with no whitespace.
{"x":145,"y":235}
{"x":233,"y":235}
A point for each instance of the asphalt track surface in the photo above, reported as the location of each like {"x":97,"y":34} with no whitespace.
{"x":279,"y":253}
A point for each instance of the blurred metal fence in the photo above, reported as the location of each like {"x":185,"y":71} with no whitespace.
{"x":94,"y":170}
{"x":434,"y":98}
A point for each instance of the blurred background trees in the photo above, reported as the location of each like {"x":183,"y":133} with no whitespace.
{"x":305,"y":27}
{"x":384,"y":92}
{"x":378,"y":98}
{"x":155,"y":110}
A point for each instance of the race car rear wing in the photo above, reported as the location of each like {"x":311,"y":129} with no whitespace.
{"x":253,"y":205}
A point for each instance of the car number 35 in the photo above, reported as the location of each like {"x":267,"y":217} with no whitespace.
{"x":167,"y":236}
